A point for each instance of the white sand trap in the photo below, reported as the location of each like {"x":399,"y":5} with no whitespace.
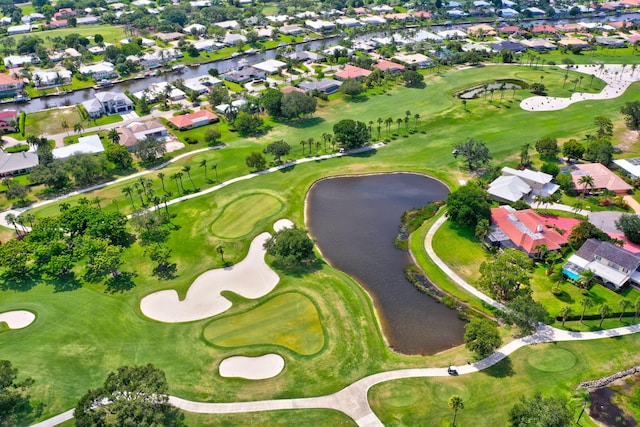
{"x":617,"y":78}
{"x":281,"y":224}
{"x":252,"y":368}
{"x":17,"y":319}
{"x":251,"y":278}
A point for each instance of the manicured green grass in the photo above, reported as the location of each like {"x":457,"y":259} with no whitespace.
{"x":51,"y":121}
{"x":458,"y":247}
{"x":82,"y":334}
{"x":239,"y":217}
{"x":288,"y":320}
{"x":104,"y":120}
{"x":111,"y":33}
{"x":552,"y":369}
{"x":608,"y":56}
{"x":302,"y":417}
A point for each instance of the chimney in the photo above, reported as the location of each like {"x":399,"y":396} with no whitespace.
{"x":539,"y":228}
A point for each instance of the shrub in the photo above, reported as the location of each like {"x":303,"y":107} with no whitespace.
{"x":556,"y":291}
{"x":17,"y":148}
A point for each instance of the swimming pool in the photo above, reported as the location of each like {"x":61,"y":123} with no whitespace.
{"x":571,"y":274}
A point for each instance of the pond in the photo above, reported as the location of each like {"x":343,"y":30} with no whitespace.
{"x":481,"y":90}
{"x":355,"y":221}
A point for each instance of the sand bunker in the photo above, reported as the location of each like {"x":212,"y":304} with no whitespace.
{"x":17,"y":319}
{"x":617,"y":78}
{"x":251,"y":278}
{"x":252,"y":368}
{"x":281,"y":224}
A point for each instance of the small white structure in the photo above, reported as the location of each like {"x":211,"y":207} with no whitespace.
{"x":101,"y":70}
{"x":86,"y":145}
{"x":13,"y":61}
{"x":51,"y":78}
{"x":270,"y":66}
{"x":198,"y":28}
{"x":228,"y":25}
{"x":319,"y":25}
{"x":631,"y":166}
{"x":201,"y":84}
{"x":19,"y":29}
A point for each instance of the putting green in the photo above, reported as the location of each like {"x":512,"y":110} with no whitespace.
{"x":241,"y":216}
{"x":288,"y":320}
{"x":551,"y":360}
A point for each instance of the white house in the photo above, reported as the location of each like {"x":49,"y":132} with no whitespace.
{"x":319,"y":25}
{"x":51,"y":78}
{"x":228,"y":25}
{"x":198,"y":28}
{"x":19,"y":29}
{"x":99,"y":71}
{"x":201,"y":84}
{"x":270,"y":66}
{"x":86,"y":145}
{"x":13,"y":61}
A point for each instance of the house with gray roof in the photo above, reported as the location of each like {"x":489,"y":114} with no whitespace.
{"x":612,"y":265}
{"x":244,"y":75}
{"x":17,"y":163}
{"x":324,"y":85}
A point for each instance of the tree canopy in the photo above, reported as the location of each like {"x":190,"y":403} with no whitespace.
{"x":507,"y":274}
{"x":15,"y":405}
{"x":547,"y":147}
{"x":130,"y":396}
{"x":149,"y":149}
{"x":351,"y":133}
{"x":351,"y":87}
{"x":482,"y":337}
{"x":538,"y":411}
{"x":572,"y":149}
{"x":631,"y":113}
{"x":290,"y":246}
{"x":295,"y":104}
{"x":278,"y":149}
{"x":468,"y":205}
{"x":630,"y":226}
{"x":256,"y":161}
{"x":526,"y":313}
{"x":583,"y":231}
{"x":247,"y":123}
{"x":475,"y":152}
{"x":413,"y":78}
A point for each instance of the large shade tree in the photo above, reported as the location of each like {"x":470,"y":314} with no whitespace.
{"x":506,"y":275}
{"x":351,"y":133}
{"x":468,"y":205}
{"x":474,"y":151}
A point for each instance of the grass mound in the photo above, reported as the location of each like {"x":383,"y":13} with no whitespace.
{"x":551,"y":360}
{"x":241,"y":216}
{"x":288,"y":320}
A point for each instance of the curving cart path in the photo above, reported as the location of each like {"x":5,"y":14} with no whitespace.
{"x":352,"y":400}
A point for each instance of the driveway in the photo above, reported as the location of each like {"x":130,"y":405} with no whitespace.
{"x":606,"y":221}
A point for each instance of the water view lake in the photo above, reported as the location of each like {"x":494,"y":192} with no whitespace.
{"x":355,"y":221}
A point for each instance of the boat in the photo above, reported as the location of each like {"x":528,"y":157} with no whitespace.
{"x":179,"y":68}
{"x":251,"y":51}
{"x":21,"y":98}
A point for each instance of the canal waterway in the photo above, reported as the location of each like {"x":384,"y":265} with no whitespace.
{"x":355,"y":221}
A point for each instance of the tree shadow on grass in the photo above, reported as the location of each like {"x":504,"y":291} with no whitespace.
{"x":365,"y":154}
{"x":565,"y":297}
{"x":306,"y":123}
{"x":359,"y":98}
{"x":18,"y":283}
{"x":502,"y":369}
{"x":121,"y":283}
{"x":66,"y":283}
{"x":300,"y":269}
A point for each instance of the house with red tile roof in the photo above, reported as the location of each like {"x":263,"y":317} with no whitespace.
{"x":569,"y":27}
{"x":193,"y":120}
{"x":523,"y":230}
{"x":384,"y":65}
{"x":422,"y":14}
{"x":602,"y":178}
{"x":544,"y":29}
{"x":352,"y":72}
{"x":512,"y":29}
{"x":10,"y":85}
{"x":630,"y":3}
{"x":65,"y":12}
{"x":8,"y":120}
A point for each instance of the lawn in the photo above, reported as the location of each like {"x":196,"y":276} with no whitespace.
{"x":81,"y":334}
{"x":111,"y":33}
{"x":238,"y":218}
{"x":52,"y":121}
{"x":552,"y":369}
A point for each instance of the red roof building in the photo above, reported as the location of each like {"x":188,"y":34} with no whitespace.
{"x":351,"y":72}
{"x":10,"y":85}
{"x":511,"y":29}
{"x":8,"y":120}
{"x":384,"y":65}
{"x":602,"y":178}
{"x":524,"y":230}
{"x":193,"y":120}
{"x":65,"y":12}
{"x":544,"y":29}
{"x":422,"y":14}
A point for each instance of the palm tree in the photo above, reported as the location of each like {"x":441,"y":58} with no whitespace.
{"x":187,"y":169}
{"x":180,"y":175}
{"x":636,"y":307}
{"x":399,"y":122}
{"x":565,"y":312}
{"x":586,"y":276}
{"x":406,"y":123}
{"x":64,"y":206}
{"x":65,"y":126}
{"x":11,"y":219}
{"x":370,"y":126}
{"x":303,"y":143}
{"x":380,"y":122}
{"x":161,"y":176}
{"x":318,"y":145}
{"x":78,"y":127}
{"x":585,"y":302}
{"x":415,"y":124}
{"x":175,"y":178}
{"x":388,"y":122}
{"x":586,"y":181}
{"x":215,"y":168}
{"x":140,"y":191}
{"x":220,"y":250}
{"x":455,"y":403}
{"x":203,"y":164}
{"x":624,"y":304}
{"x":129,"y":192}
{"x":113,"y":136}
{"x":604,"y":311}
{"x":97,"y":200}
